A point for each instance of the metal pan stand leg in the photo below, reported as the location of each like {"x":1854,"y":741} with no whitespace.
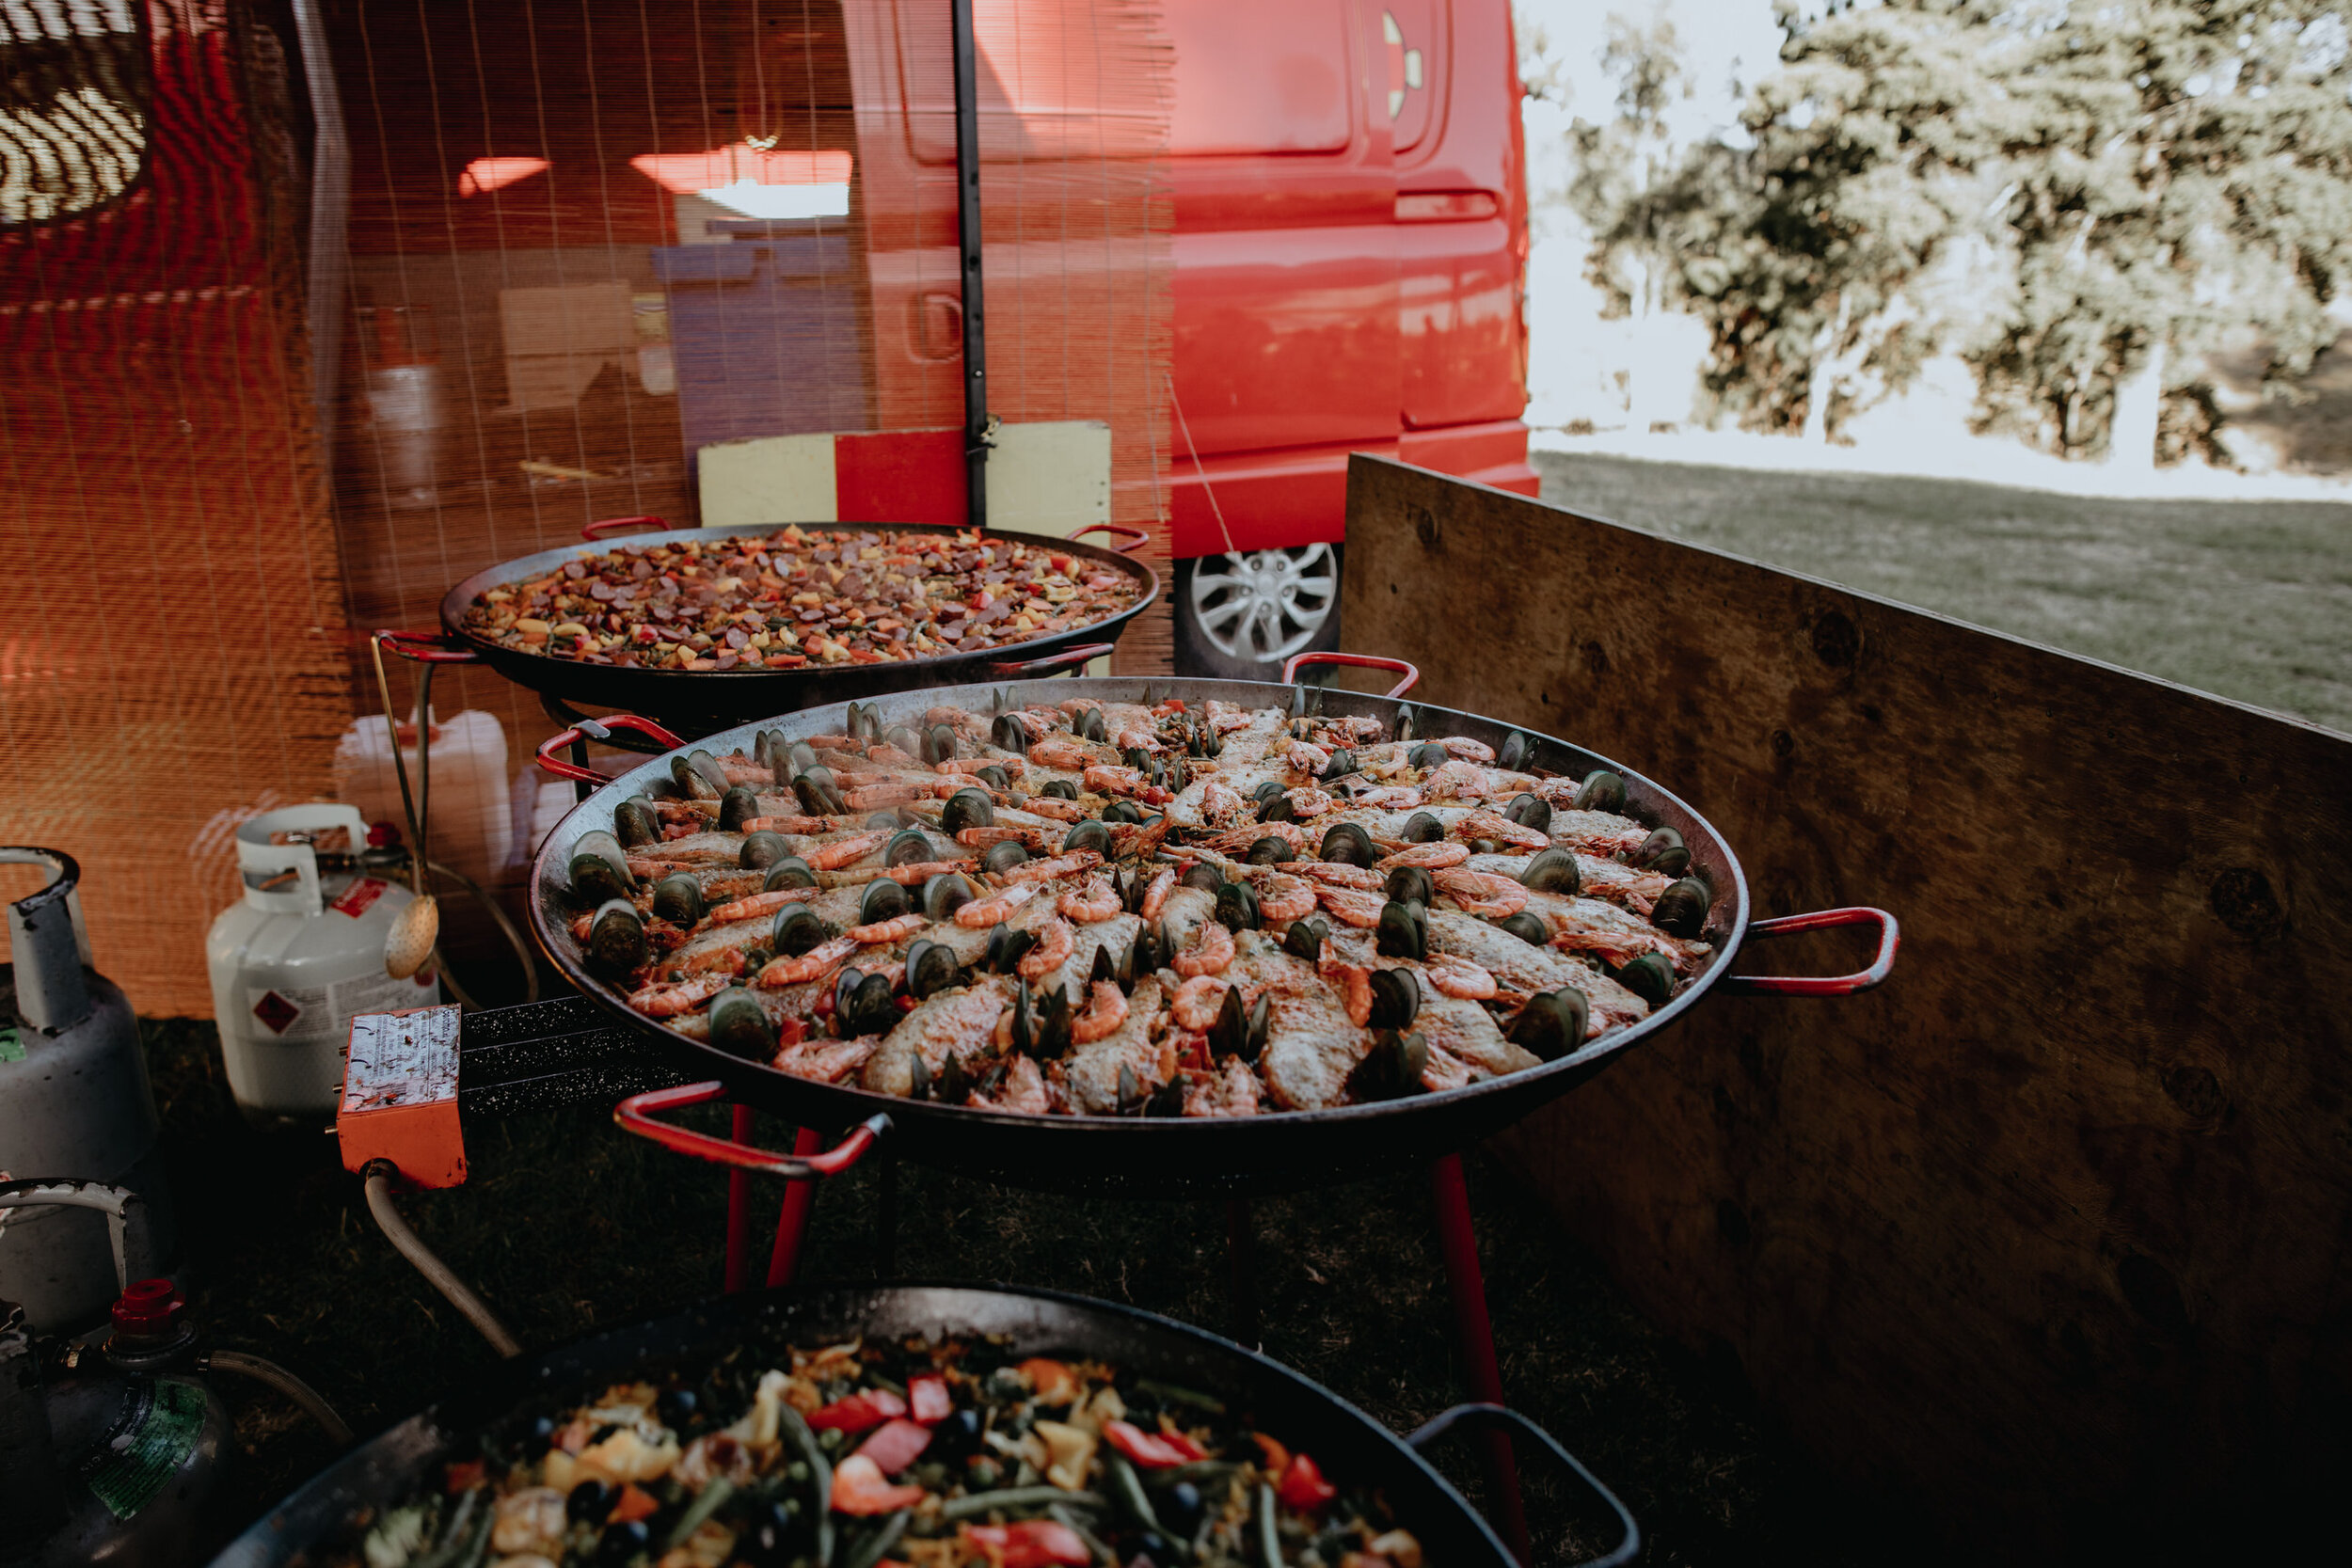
{"x":886,"y":1218}
{"x":1241,"y":1255}
{"x":1458,"y":1238}
{"x":740,"y":1211}
{"x":792,"y":1222}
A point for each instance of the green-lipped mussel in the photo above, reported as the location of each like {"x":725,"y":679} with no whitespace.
{"x":617,"y":937}
{"x":1552,"y":871}
{"x":634,"y":823}
{"x":1663,"y":853}
{"x":967,"y":808}
{"x":1650,"y":977}
{"x":797,"y":929}
{"x":739,"y":1026}
{"x":1348,"y":844}
{"x":1002,"y":857}
{"x":762,"y":850}
{"x":788,"y":871}
{"x":598,"y":869}
{"x":1552,"y":1024}
{"x":1682,"y":909}
{"x":1601,"y":791}
{"x":1403,"y":933}
{"x":678,"y":899}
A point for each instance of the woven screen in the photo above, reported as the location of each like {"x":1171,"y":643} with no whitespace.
{"x":584,"y":241}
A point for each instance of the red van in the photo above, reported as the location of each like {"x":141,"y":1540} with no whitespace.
{"x":1351,"y":260}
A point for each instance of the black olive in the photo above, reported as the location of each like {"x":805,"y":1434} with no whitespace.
{"x":677,"y":1406}
{"x":957,"y":1437}
{"x":1180,"y":1509}
{"x":623,"y":1541}
{"x":779,"y":1532}
{"x":590,"y":1502}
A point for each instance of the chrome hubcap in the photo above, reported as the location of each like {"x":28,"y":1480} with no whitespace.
{"x":1267,"y":605}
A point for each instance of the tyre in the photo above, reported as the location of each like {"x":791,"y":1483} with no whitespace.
{"x":1239,"y":616}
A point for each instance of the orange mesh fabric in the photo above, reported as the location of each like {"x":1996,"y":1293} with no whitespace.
{"x":166,"y":566}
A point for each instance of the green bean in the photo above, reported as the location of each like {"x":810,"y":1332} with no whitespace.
{"x":820,"y":1472}
{"x":1069,"y":1521}
{"x":1198,"y":1471}
{"x":1182,"y":1395}
{"x":1269,"y":1544}
{"x":1010,"y":1498}
{"x":706,"y":1502}
{"x":1127,"y":1491}
{"x":876,"y":1545}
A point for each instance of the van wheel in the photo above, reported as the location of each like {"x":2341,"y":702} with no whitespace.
{"x":1239,"y":616}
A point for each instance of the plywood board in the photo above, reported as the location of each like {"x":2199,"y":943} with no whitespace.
{"x":2049,"y":1233}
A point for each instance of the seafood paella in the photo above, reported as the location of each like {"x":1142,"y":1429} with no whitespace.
{"x":918,"y":1454}
{"x":1147,"y":909}
{"x":797,"y":597}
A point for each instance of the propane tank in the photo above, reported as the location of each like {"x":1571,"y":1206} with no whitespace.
{"x":73,"y":1095}
{"x":298,"y":956}
{"x":113,"y":1461}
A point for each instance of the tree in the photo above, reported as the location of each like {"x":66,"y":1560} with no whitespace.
{"x":2122,"y":182}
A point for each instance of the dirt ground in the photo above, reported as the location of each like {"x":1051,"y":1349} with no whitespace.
{"x":568,"y":1225}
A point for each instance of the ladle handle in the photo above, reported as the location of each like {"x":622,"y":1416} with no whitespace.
{"x":595,"y":729}
{"x":636,"y":1115}
{"x":1628,"y":1548}
{"x":1052,"y":664}
{"x":1890,"y":937}
{"x":425,"y":647}
{"x":1361,"y":661}
{"x":1138,"y":538}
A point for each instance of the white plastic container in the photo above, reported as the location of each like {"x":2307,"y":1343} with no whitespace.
{"x":471,"y":822}
{"x":295,"y":960}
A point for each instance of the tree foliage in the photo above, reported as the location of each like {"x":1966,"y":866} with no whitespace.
{"x":2067,"y":194}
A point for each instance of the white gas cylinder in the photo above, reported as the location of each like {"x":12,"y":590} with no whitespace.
{"x":469,"y":818}
{"x":298,"y":956}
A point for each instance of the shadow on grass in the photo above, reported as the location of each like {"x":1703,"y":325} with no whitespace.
{"x":566,"y":1225}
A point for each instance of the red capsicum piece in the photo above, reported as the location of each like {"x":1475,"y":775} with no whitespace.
{"x":860,"y":1487}
{"x":870,"y":1408}
{"x":929,"y":1401}
{"x":896,"y":1445}
{"x":1033,"y":1543}
{"x":1303,"y":1489}
{"x":1148,"y":1451}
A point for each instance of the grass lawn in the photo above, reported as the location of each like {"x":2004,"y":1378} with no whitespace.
{"x":2251,"y":600}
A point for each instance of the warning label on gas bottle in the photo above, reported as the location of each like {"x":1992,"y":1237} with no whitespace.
{"x":355,"y":899}
{"x":307,"y":1015}
{"x":151,"y":1436}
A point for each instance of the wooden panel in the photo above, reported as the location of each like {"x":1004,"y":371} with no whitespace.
{"x":2047,"y":1234}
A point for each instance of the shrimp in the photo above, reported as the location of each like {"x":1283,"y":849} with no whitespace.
{"x":1055,"y":807}
{"x":1304,"y":758}
{"x":1060,"y":865}
{"x":1059,"y":751}
{"x":1233,"y":1094}
{"x":1451,"y":781}
{"x":741,"y":770}
{"x":877,"y":796}
{"x":1248,"y":833}
{"x":1097,"y":900}
{"x":1354,"y":983}
{"x":1309,"y":802}
{"x":1467,"y":750}
{"x":1456,"y":976}
{"x":1335,"y":874}
{"x":668,"y":1001}
{"x":832,"y":857}
{"x":1210,"y":952}
{"x":1285,"y":897}
{"x":1196,"y":1003}
{"x":1056,"y":941}
{"x":1137,"y":740}
{"x":1431,"y":857}
{"x":980,"y":838}
{"x":886,"y":930}
{"x":784,"y":825}
{"x":1218,"y":801}
{"x":1105,"y":780}
{"x":916,"y":872}
{"x":983,"y":912}
{"x":1353,"y":906}
{"x":882,"y":751}
{"x":1391,"y":798}
{"x":1104,"y":1014}
{"x":1154,"y":896}
{"x":787,"y":969}
{"x":1013,"y":766}
{"x":757,"y":905}
{"x":1482,"y":893}
{"x":1023,"y":1090}
{"x":1487,"y":824}
{"x":715,"y":960}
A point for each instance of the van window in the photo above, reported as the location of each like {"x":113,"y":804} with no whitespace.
{"x":1254,"y":77}
{"x":73,"y":86}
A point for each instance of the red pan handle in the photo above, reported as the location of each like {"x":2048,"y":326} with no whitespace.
{"x":603,"y":526}
{"x":1052,"y":664}
{"x":636,"y":1115}
{"x":592,"y":729}
{"x":1362,"y":661}
{"x":425,"y":647}
{"x":1890,"y":937}
{"x":1137,"y":535}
